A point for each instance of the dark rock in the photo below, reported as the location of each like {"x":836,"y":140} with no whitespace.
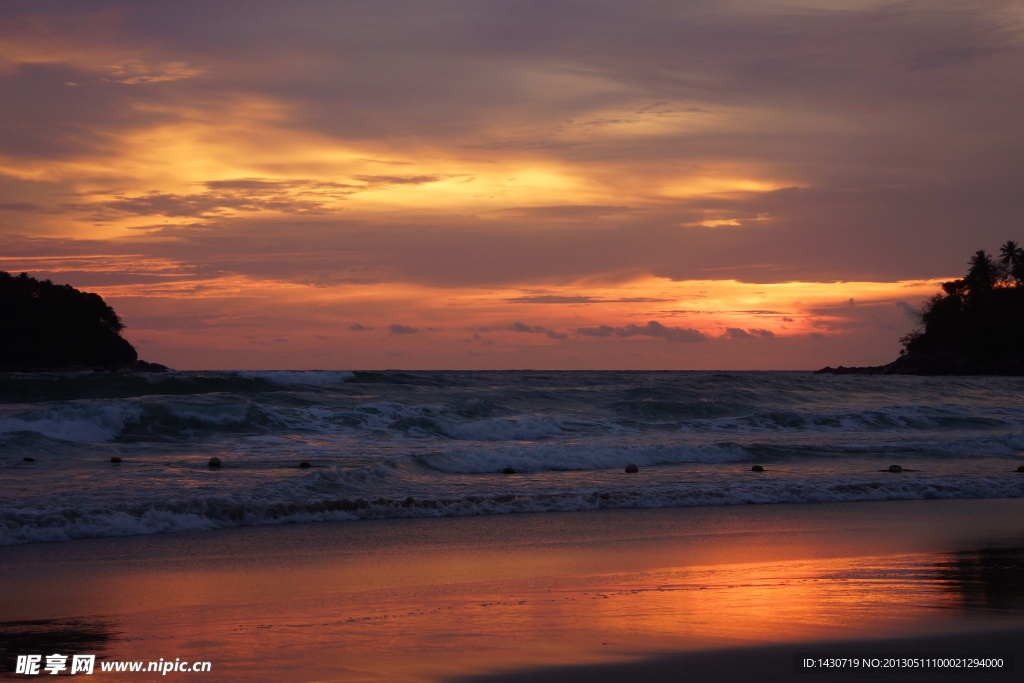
{"x":304,"y":464}
{"x":28,"y":459}
{"x":214,"y":462}
{"x":895,"y":468}
{"x":508,"y":470}
{"x":143,"y":366}
{"x":115,"y":460}
{"x":757,"y":468}
{"x":632,"y":469}
{"x":843,"y":370}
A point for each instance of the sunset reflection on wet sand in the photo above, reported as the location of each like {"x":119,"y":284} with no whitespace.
{"x":422,"y":600}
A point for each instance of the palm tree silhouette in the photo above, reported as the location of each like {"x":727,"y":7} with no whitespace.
{"x":1012,"y":256}
{"x":983,"y":274}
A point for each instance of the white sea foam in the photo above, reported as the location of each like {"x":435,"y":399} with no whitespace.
{"x":59,"y":524}
{"x":83,"y":421}
{"x":579,"y":456}
{"x":893,"y":418}
{"x":311,"y":377}
{"x":503,"y":429}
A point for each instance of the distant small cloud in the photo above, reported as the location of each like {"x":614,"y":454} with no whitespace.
{"x":651,"y":329}
{"x":356,"y":327}
{"x":395,"y":328}
{"x":486,"y":341}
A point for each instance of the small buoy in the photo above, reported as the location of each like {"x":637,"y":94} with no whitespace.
{"x":632,"y":469}
{"x":757,"y":468}
{"x":508,"y":470}
{"x":1020,"y":468}
{"x":28,"y":459}
{"x":895,"y":468}
{"x":304,"y":463}
{"x":214,"y":462}
{"x":116,"y":460}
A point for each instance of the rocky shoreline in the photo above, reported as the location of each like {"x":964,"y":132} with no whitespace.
{"x":932,"y":365}
{"x":133,"y":366}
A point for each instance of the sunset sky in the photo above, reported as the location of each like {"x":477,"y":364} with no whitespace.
{"x":420,"y":184}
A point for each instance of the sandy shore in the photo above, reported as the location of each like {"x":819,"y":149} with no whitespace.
{"x":730,"y":593}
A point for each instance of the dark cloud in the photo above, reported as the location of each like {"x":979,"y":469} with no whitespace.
{"x":356,"y":327}
{"x":567,"y":213}
{"x":651,"y":329}
{"x":20,"y":206}
{"x":41,"y":117}
{"x":379,"y":180}
{"x":553,"y":299}
{"x":299,"y":196}
{"x":276,"y":186}
{"x":193,"y":205}
{"x":751,"y":333}
{"x":395,"y":328}
{"x":536,"y":329}
{"x":683,"y":311}
{"x":556,"y":299}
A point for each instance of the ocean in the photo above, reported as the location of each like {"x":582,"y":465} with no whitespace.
{"x":391,"y":444}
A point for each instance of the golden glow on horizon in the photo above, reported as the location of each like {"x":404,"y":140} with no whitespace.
{"x":712,"y":307}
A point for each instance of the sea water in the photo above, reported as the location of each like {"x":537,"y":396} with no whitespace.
{"x":436,"y":444}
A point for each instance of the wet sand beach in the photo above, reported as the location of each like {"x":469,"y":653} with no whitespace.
{"x":718,"y":593}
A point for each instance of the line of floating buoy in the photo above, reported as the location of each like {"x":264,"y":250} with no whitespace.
{"x":631,"y":468}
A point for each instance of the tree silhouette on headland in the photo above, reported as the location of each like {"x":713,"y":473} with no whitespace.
{"x":977,"y":325}
{"x":44,"y":326}
{"x":974,"y":327}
